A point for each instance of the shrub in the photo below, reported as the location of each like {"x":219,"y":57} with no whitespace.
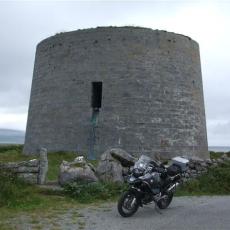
{"x":91,"y":192}
{"x":215,"y":182}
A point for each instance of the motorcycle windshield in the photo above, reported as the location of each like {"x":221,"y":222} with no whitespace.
{"x":143,"y":162}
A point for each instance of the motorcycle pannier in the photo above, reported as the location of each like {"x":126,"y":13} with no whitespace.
{"x":181,"y":162}
{"x":172,"y":170}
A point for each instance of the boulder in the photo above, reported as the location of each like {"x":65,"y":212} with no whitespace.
{"x":224,"y":157}
{"x":74,"y":171}
{"x":114,"y":164}
{"x":110,"y":171}
{"x":123,"y":157}
{"x":214,"y":161}
{"x":198,"y":167}
{"x":203,"y":164}
{"x":125,"y":171}
{"x":106,"y":156}
{"x":214,"y":164}
{"x":208,"y":162}
{"x":92,"y":167}
{"x":80,"y":159}
{"x":186,"y":175}
{"x":220,"y":161}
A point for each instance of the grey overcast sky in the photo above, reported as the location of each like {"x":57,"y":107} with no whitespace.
{"x":24,"y":23}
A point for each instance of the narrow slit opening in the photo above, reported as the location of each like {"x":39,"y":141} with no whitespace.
{"x":96,"y":95}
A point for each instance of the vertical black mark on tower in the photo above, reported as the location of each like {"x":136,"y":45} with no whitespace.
{"x":96,"y":100}
{"x":96,"y":95}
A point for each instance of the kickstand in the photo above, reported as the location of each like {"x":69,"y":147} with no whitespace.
{"x":157,"y":209}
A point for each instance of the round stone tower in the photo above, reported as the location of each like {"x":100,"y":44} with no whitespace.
{"x":134,"y":88}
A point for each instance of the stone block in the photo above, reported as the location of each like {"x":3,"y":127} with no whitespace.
{"x":31,"y":178}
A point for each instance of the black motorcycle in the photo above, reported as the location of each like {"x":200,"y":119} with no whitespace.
{"x":151,"y":181}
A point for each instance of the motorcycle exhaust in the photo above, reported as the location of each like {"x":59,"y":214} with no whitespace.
{"x":172,"y":187}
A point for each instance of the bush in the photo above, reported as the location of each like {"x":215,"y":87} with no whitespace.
{"x":91,"y":192}
{"x":215,"y":182}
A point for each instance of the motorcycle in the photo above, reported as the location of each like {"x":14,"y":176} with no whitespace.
{"x":151,"y":181}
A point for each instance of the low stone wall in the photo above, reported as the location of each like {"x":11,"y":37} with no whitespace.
{"x":32,"y":171}
{"x":198,"y":167}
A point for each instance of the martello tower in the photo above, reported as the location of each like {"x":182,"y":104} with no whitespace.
{"x":134,"y":88}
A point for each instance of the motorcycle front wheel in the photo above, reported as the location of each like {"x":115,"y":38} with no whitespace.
{"x":127,"y":204}
{"x":165,"y":202}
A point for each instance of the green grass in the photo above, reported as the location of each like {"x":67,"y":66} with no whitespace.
{"x":94,"y":192}
{"x":11,"y":153}
{"x":216,"y":155}
{"x":18,"y":198}
{"x":215,"y":182}
{"x":55,"y":160}
{"x":5,"y":147}
{"x":37,"y":205}
{"x":16,"y":194}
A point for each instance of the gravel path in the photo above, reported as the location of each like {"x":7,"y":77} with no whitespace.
{"x":184,"y":213}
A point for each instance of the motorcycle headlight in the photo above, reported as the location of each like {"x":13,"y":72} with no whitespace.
{"x":131,"y":179}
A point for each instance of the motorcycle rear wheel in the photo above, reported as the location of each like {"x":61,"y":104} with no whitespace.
{"x":127,"y":204}
{"x":165,"y":202}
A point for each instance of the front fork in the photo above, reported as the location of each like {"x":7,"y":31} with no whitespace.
{"x":138,"y":194}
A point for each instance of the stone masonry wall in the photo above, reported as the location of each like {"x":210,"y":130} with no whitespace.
{"x":152,"y":98}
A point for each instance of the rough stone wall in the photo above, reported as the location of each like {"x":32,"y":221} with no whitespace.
{"x":152,"y":99}
{"x":32,"y":171}
{"x":197,"y":167}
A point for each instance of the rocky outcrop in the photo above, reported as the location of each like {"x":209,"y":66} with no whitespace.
{"x":110,"y":171}
{"x":78,"y":170}
{"x":114,"y":165}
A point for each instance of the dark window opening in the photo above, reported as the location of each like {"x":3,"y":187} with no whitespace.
{"x":96,"y":95}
